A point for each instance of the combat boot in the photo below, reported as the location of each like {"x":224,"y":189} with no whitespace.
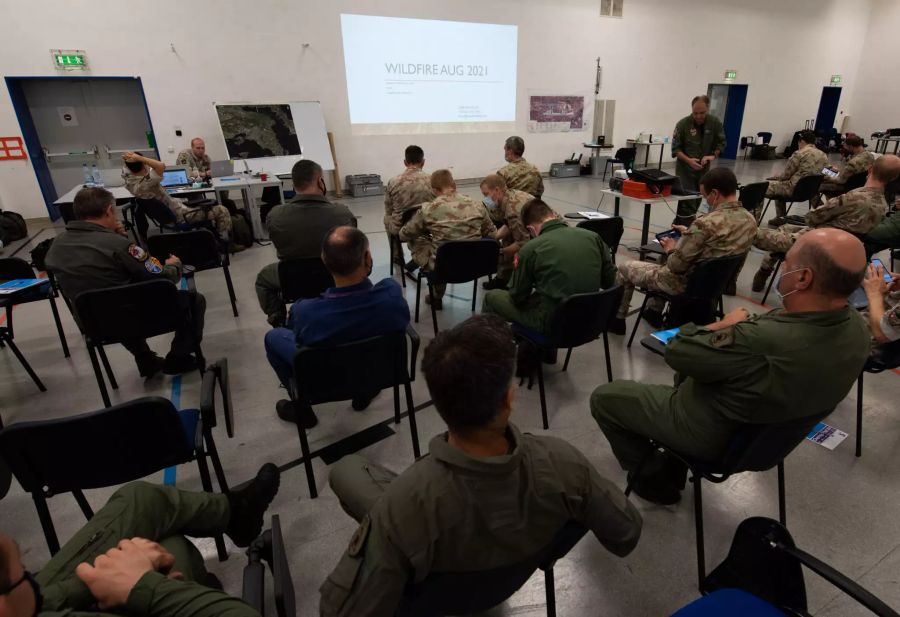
{"x":760,"y":278}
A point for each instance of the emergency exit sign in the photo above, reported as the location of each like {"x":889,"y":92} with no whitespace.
{"x":730,"y":75}
{"x":836,"y":80}
{"x":69,"y":59}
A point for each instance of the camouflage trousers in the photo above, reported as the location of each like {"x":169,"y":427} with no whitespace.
{"x":423,"y":252}
{"x":648,"y":276}
{"x":777,"y":241}
{"x":777,"y":191}
{"x":219,"y":215}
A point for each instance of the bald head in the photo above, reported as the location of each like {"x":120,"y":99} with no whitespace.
{"x":885,"y":169}
{"x":344,"y":252}
{"x":836,"y":258}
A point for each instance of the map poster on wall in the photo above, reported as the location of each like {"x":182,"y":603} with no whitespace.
{"x":258,"y":131}
{"x":556,"y":114}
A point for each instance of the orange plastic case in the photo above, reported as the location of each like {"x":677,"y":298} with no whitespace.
{"x":639,"y":190}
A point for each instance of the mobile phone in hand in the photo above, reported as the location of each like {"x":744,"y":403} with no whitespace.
{"x":887,"y":275}
{"x":671,"y":233}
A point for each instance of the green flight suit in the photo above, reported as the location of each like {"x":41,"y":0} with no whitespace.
{"x":560,"y":262}
{"x":885,"y":235}
{"x":159,"y":513}
{"x":696,"y":142}
{"x":775,"y":367}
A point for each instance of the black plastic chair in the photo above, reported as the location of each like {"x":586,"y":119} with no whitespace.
{"x":763,"y":575}
{"x":766,"y":136}
{"x":805,"y":189}
{"x":459,"y":261}
{"x":779,"y":259}
{"x":105,"y":448}
{"x":610,"y":231}
{"x":394,"y":243}
{"x":888,"y":358}
{"x":465,"y":593}
{"x":135,"y":311}
{"x":198,"y":248}
{"x":303,"y":277}
{"x":354,"y":370}
{"x":624,"y":157}
{"x":164,"y":219}
{"x":269,"y":547}
{"x":752,"y":196}
{"x":890,"y":193}
{"x":701,"y":301}
{"x":15,"y":268}
{"x":755,"y":447}
{"x":578,"y":320}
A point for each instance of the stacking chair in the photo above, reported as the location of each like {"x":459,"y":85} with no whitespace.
{"x":476,"y":591}
{"x":15,"y":268}
{"x":763,"y":575}
{"x":624,"y":157}
{"x":459,"y":261}
{"x":888,"y":358}
{"x":200,"y":249}
{"x":610,"y":230}
{"x":580,"y":319}
{"x":134,"y":311}
{"x":345,"y":372}
{"x":805,"y":189}
{"x":164,"y":219}
{"x":701,"y":301}
{"x":755,"y":447}
{"x":269,"y":547}
{"x":394,"y":241}
{"x":303,"y":277}
{"x":105,"y":448}
{"x":752,"y":196}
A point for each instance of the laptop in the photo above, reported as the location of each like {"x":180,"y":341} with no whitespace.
{"x":220,"y":169}
{"x":174,"y":177}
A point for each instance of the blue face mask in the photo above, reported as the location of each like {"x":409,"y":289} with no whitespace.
{"x":490,"y":203}
{"x":704,"y":207}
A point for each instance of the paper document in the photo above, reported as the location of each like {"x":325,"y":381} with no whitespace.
{"x":17,"y":284}
{"x":590,"y":214}
{"x":664,"y":336}
{"x":827,"y":436}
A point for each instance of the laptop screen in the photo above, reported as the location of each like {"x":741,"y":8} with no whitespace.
{"x":175,"y":177}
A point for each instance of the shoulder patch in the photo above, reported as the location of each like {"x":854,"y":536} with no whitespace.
{"x":152,"y":265}
{"x":137,"y":252}
{"x":722,"y":338}
{"x":516,"y":260}
{"x":358,"y":541}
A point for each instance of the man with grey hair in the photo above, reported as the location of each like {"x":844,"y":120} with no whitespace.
{"x":789,"y":364}
{"x":518,"y":173}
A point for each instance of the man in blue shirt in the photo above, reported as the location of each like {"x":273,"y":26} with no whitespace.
{"x":352,"y":310}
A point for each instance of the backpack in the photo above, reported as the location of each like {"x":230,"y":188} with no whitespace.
{"x":39,"y":254}
{"x":12,"y":227}
{"x":241,"y":234}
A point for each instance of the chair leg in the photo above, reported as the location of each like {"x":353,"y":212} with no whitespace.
{"x":99,"y":375}
{"x":540,"y":372}
{"x":418,"y":296}
{"x":230,"y":286}
{"x":782,"y":506}
{"x":859,"y":414}
{"x":109,"y":372}
{"x":216,"y":461}
{"x":771,"y":282}
{"x":638,"y":320}
{"x":307,"y":462}
{"x":566,"y":363}
{"x":40,"y":504}
{"x":608,"y":359}
{"x":396,"y":404}
{"x":433,"y":309}
{"x":413,"y":429}
{"x":59,"y":328}
{"x":206,"y":482}
{"x":762,"y":215}
{"x":787,"y":209}
{"x":83,"y":504}
{"x":698,"y":522}
{"x":550,"y":588}
{"x":15,"y":349}
{"x":474,"y":293}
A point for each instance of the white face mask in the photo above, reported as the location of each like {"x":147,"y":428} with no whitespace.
{"x":778,"y":283}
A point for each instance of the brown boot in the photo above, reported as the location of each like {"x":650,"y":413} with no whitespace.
{"x":760,"y":278}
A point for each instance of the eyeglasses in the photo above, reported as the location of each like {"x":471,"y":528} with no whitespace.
{"x":26,"y":576}
{"x":29,"y":578}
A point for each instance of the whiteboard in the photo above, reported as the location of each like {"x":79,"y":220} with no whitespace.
{"x":311,"y":133}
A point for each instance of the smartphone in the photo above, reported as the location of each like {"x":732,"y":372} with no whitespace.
{"x":887,"y":275}
{"x":671,"y":233}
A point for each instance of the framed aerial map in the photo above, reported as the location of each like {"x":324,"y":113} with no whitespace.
{"x":258,"y":131}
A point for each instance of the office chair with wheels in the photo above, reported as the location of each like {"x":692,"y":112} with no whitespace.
{"x":609,"y":229}
{"x":806,"y":188}
{"x":303,"y":277}
{"x":624,"y":157}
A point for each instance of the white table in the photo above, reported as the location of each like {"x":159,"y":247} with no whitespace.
{"x":882,"y":144}
{"x":119,"y":192}
{"x":645,"y":229}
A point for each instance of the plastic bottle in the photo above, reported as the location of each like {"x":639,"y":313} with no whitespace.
{"x":97,"y":176}
{"x":86,"y":174}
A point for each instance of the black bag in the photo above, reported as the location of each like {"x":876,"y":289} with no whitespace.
{"x":241,"y":233}
{"x":12,"y":227}
{"x":39,"y":254}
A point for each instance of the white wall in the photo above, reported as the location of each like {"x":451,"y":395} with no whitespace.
{"x":655,"y":59}
{"x":876,"y":96}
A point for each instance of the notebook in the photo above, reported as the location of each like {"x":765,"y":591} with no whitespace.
{"x":18,"y":284}
{"x":664,"y":336}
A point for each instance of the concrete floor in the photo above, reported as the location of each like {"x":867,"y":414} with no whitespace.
{"x":840,"y":508}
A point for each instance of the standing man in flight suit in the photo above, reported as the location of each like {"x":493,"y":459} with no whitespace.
{"x":698,"y":140}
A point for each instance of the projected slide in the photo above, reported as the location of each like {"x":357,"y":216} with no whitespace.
{"x":437,"y":74}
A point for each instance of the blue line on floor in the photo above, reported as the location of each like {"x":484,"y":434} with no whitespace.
{"x":170,"y":474}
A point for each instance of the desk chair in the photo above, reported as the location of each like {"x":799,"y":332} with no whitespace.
{"x":624,"y":157}
{"x":353,"y":370}
{"x":459,"y":261}
{"x":394,"y":242}
{"x":476,"y":591}
{"x":888,"y":358}
{"x":701,"y":301}
{"x":134,"y":311}
{"x":805,"y":189}
{"x":303,"y":277}
{"x":105,"y":448}
{"x":762,"y":576}
{"x":269,"y":547}
{"x":578,"y":320}
{"x":199,"y":248}
{"x":610,"y":230}
{"x":755,"y":447}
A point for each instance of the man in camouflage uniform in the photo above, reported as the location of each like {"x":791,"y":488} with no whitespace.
{"x":806,"y":161}
{"x":518,"y":173}
{"x":142,"y":177}
{"x":450,"y":216}
{"x":505,"y":207}
{"x":858,"y":212}
{"x":728,"y":229}
{"x":858,"y":162}
{"x":698,"y":140}
{"x":195,"y":159}
{"x":410,"y":189}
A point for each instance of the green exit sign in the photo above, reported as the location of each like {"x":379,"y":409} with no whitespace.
{"x":69,"y":59}
{"x":731,"y":75}
{"x":836,"y":80}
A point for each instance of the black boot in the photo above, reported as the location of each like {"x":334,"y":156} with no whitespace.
{"x":249,"y":504}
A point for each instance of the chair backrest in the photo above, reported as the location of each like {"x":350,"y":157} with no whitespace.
{"x":408,"y":214}
{"x":626,"y":155}
{"x":342,"y":372}
{"x":766,"y":136}
{"x":461,"y":261}
{"x":890,"y":192}
{"x":15,"y":268}
{"x":198,"y":248}
{"x":857,"y":180}
{"x":136,"y":310}
{"x":807,"y":187}
{"x":155,"y":210}
{"x":705,"y":285}
{"x":610,"y":230}
{"x":582,"y":318}
{"x":752,"y":195}
{"x":761,"y":447}
{"x":464,"y":593}
{"x":102,"y":448}
{"x":303,"y":277}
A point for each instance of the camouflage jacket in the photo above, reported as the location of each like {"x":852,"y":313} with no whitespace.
{"x":195,"y":166}
{"x":857,"y":163}
{"x":523,"y":176}
{"x":804,"y":162}
{"x":727,"y":230}
{"x":148,"y":187}
{"x":450,"y":217}
{"x":857,"y":211}
{"x":409,"y":189}
{"x":512,"y":205}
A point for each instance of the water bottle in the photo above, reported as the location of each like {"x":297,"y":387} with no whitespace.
{"x":86,"y":175}
{"x":95,"y":174}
